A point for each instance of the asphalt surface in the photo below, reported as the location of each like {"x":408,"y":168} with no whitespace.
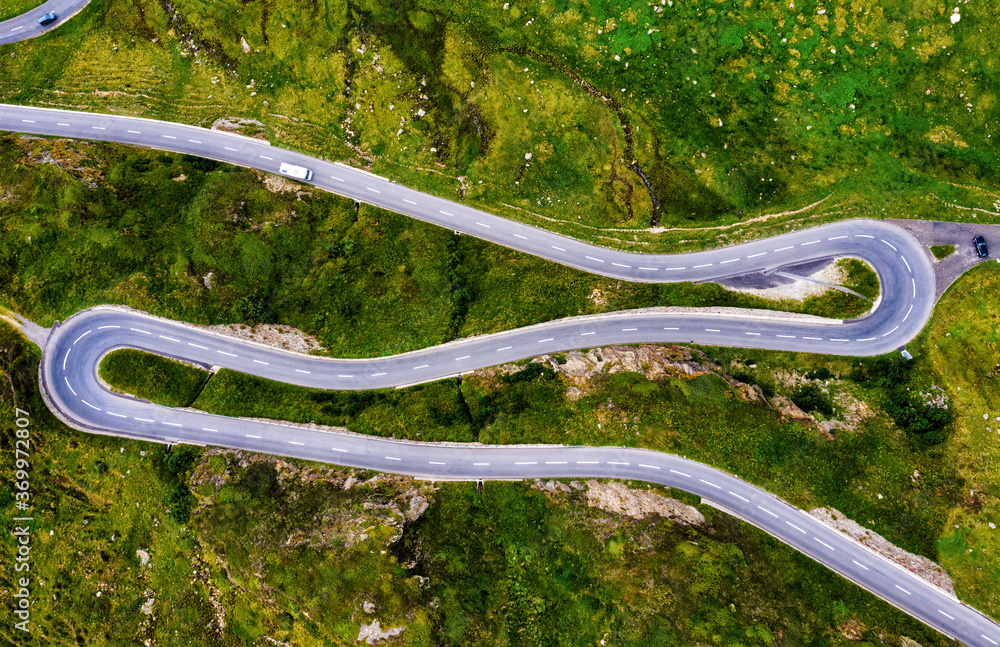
{"x":72,"y":353}
{"x":903,"y":267}
{"x":68,"y":378}
{"x":26,"y":25}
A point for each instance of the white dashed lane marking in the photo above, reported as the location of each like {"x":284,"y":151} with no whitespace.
{"x":198,"y":346}
{"x":741,"y":498}
{"x":144,"y":332}
{"x":756,"y":255}
{"x":889,"y":244}
{"x":796,"y":527}
{"x":857,"y":563}
{"x":824,"y":543}
{"x":903,"y":590}
{"x":594,"y":259}
{"x":622,"y":265}
{"x":409,"y":201}
{"x":67,"y":384}
{"x":393,"y":458}
{"x":680,"y":473}
{"x":222,"y":352}
{"x":768,"y":511}
{"x":82,"y":336}
{"x":702,"y":265}
{"x":719,"y":487}
{"x":172,"y":424}
{"x":299,"y":370}
{"x":169,"y":338}
{"x":946,"y":615}
{"x":782,"y":249}
{"x":257,"y":361}
{"x":116,"y":415}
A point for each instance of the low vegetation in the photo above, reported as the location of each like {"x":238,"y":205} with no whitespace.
{"x":545,"y":112}
{"x":195,"y":240}
{"x":941,"y":251}
{"x":135,"y":543}
{"x":12,"y":8}
{"x":152,"y":377}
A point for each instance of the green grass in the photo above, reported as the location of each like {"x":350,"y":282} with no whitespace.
{"x":207,"y":243}
{"x":788,"y":108}
{"x":960,"y":344}
{"x":13,"y":8}
{"x":941,"y":251}
{"x":268,"y":543}
{"x":152,"y":377}
{"x":860,"y":277}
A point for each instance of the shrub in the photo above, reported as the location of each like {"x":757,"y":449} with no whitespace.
{"x":811,"y":398}
{"x":822,"y":373}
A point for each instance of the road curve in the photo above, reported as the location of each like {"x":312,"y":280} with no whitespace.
{"x":904,"y":268}
{"x":26,"y":25}
{"x":68,"y":376}
{"x":73,"y":351}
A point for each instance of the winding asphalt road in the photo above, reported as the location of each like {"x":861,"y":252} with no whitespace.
{"x":74,"y":349}
{"x":26,"y":25}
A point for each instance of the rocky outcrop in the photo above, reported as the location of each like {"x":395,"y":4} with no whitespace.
{"x":372,"y":633}
{"x":916,"y":564}
{"x":616,"y":497}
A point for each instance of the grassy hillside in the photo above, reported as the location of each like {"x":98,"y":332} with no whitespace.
{"x":544,"y":111}
{"x":195,"y":240}
{"x":132,"y":543}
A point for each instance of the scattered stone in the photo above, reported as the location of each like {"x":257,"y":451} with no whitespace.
{"x":143,"y":556}
{"x":916,"y":564}
{"x":369,"y":607}
{"x":373,"y":633}
{"x":617,"y":498}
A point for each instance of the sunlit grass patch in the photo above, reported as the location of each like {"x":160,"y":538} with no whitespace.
{"x":152,"y":377}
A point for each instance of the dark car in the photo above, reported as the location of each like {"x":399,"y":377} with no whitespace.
{"x":47,"y":18}
{"x":980,"y":244}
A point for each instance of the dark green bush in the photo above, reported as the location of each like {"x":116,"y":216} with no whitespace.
{"x":811,"y":398}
